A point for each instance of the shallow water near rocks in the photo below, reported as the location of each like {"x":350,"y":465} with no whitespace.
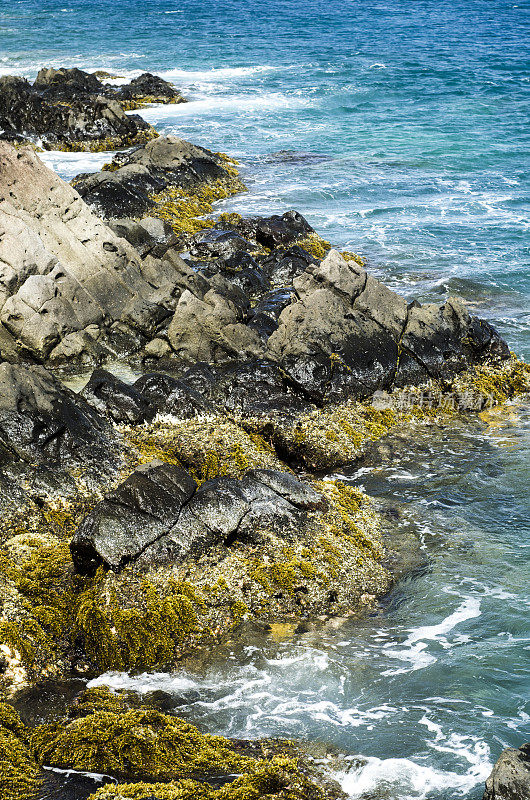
{"x":421,"y":695}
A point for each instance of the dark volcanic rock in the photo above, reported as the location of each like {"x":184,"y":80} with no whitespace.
{"x":116,"y":399}
{"x":348,"y":335}
{"x":60,"y":111}
{"x":166,"y":162}
{"x":159,"y":515}
{"x":42,"y":422}
{"x":510,"y":778}
{"x":240,"y":269}
{"x":284,"y":265}
{"x":272,"y":232}
{"x":218,"y":244}
{"x":172,"y":396}
{"x":150,"y":88}
{"x":255,"y":388}
{"x":137,"y":513}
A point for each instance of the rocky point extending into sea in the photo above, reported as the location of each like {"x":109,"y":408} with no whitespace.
{"x":148,"y":520}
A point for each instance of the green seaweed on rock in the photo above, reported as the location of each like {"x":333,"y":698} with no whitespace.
{"x":19,"y":773}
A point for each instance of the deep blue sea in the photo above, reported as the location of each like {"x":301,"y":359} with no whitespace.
{"x":400,"y":129}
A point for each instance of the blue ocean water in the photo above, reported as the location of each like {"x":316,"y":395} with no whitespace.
{"x":399,"y":128}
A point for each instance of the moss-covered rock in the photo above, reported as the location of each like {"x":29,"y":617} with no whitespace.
{"x":209,"y":447}
{"x":171,"y":760}
{"x":19,"y":772}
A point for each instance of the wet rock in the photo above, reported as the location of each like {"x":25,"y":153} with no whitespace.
{"x":127,"y":189}
{"x":265,"y":314}
{"x":116,"y":399}
{"x":275,"y":231}
{"x":158,"y":515}
{"x":169,"y":395}
{"x":441,"y":341}
{"x":224,"y":510}
{"x":149,"y":88}
{"x":218,"y":244}
{"x":256,"y":388}
{"x":42,"y":422}
{"x":348,"y":335}
{"x":283,"y":265}
{"x":64,"y":109}
{"x":240,"y":269}
{"x":133,"y":516}
{"x":510,"y":778}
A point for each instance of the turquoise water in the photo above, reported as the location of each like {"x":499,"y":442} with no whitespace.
{"x":400,"y":129}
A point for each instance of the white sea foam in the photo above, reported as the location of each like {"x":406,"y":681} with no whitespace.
{"x":414,"y":647}
{"x":145,"y":682}
{"x":408,"y":780}
{"x":67,"y":165}
{"x":261,"y":102}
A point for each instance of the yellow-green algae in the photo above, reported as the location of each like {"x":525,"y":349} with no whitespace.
{"x":115,"y":734}
{"x":185,"y":209}
{"x":209,"y":447}
{"x":19,"y":773}
{"x":139,"y":743}
{"x":102,"y":145}
{"x":339,"y":434}
{"x":277,"y":779}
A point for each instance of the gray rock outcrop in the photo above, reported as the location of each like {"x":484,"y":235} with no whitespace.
{"x":510,"y":778}
{"x":159,"y":515}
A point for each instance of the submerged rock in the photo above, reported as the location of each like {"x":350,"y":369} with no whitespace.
{"x":510,"y":777}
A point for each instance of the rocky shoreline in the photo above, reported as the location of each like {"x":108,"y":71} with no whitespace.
{"x":143,"y":521}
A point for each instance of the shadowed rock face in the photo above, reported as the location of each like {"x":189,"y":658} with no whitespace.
{"x":160,"y":515}
{"x":510,"y":778}
{"x":72,"y":109}
{"x":46,"y":432}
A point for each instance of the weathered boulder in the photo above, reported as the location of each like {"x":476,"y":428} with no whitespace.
{"x":212,"y":329}
{"x":149,"y":236}
{"x":137,"y":513}
{"x":159,"y":515}
{"x":510,"y":778}
{"x":440,"y":341}
{"x":348,"y":335}
{"x":165,"y":163}
{"x":65,"y":110}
